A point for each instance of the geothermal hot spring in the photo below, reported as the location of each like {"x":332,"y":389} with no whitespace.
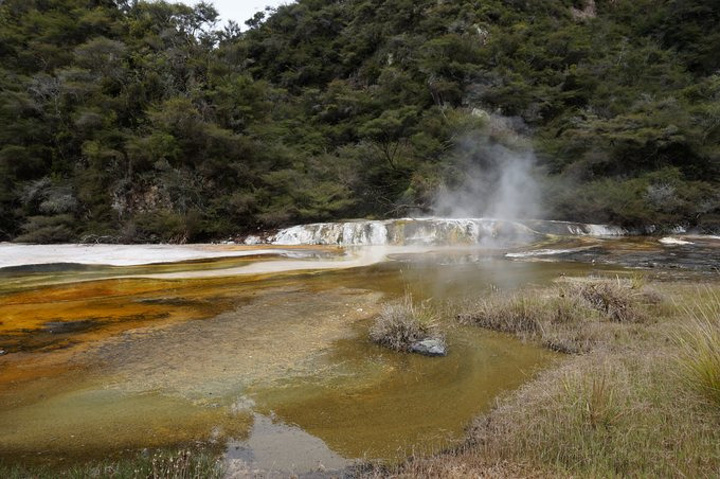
{"x":260,"y":352}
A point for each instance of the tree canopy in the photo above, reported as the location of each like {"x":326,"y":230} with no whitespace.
{"x":145,"y":121}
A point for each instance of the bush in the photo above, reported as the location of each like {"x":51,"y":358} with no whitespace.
{"x":47,"y":229}
{"x":559,"y":320}
{"x":168,"y":226}
{"x":517,"y":313}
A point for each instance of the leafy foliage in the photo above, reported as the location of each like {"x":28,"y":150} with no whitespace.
{"x":146,"y":122}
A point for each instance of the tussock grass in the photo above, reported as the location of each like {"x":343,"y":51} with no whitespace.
{"x":601,"y":415}
{"x":622,"y":409}
{"x":402,"y":323}
{"x":566,"y":318}
{"x":699,"y":344}
{"x":614,"y":299}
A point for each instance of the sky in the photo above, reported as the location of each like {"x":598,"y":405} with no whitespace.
{"x":239,"y":10}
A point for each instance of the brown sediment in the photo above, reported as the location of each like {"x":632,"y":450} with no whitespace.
{"x":45,"y":320}
{"x":279,"y":334}
{"x":107,"y":308}
{"x":71,"y":341}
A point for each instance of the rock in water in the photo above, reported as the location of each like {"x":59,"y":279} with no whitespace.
{"x":429,"y":347}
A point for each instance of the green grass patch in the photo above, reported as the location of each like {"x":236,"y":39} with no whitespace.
{"x":699,"y":344}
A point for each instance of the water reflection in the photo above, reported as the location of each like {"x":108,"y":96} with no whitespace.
{"x":274,"y":447}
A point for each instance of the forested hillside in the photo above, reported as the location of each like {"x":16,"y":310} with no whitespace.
{"x":135,"y":121}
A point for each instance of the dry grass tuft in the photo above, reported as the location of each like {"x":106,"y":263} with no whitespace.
{"x":516,"y":313}
{"x":567,"y":318}
{"x":604,"y":416}
{"x":614,"y":299}
{"x":402,"y":323}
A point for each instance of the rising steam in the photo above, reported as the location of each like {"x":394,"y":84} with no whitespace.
{"x":494,"y":176}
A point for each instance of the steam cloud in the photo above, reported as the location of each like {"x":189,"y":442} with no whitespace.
{"x":494,"y":180}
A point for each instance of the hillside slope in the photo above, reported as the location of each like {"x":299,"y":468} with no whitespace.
{"x":134,"y":121}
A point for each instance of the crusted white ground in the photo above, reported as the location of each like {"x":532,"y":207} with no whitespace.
{"x":135,"y":255}
{"x":118,"y":255}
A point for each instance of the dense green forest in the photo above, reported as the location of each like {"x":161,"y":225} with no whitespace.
{"x":144,"y":121}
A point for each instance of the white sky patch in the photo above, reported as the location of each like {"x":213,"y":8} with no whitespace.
{"x":239,"y":11}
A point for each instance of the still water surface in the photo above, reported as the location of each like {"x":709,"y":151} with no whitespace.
{"x":269,"y":363}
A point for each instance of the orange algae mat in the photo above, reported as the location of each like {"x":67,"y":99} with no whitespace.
{"x":125,"y":363}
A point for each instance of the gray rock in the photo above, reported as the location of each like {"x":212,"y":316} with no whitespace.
{"x":430,"y":347}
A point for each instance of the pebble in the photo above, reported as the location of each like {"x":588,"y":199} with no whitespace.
{"x":430,"y":347}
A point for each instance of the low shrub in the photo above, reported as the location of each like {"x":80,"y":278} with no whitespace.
{"x":47,"y":229}
{"x":516,"y":313}
{"x":167,"y":226}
